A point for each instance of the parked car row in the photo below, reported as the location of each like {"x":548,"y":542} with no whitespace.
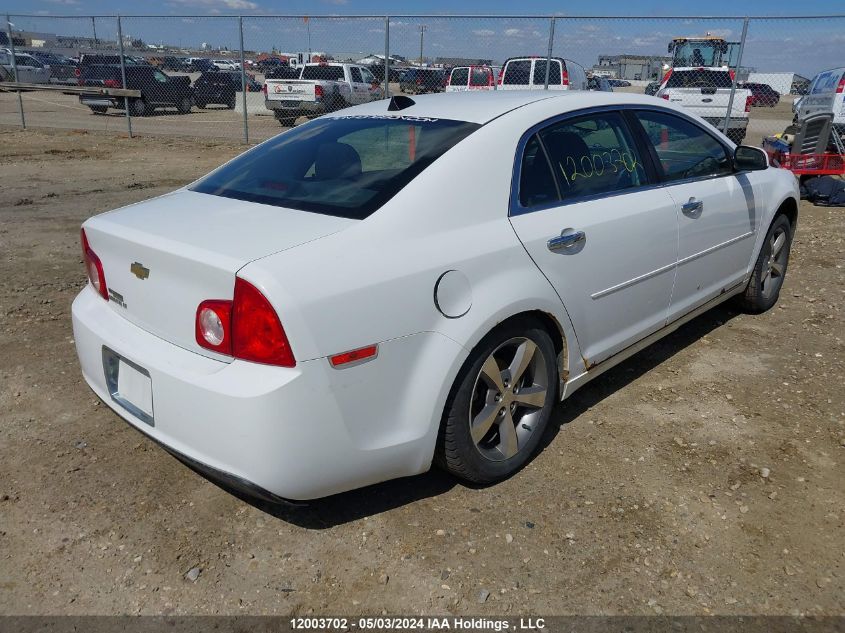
{"x":159,"y":89}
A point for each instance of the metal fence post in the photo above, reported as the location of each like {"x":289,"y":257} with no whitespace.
{"x":386,"y":56}
{"x":123,"y":77}
{"x":736,"y":75}
{"x":15,"y":68}
{"x":549,"y":55}
{"x":243,"y":76}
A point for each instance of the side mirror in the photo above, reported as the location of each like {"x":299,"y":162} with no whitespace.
{"x":747,"y":158}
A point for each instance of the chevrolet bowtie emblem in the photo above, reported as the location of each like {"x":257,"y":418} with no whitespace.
{"x":137,"y":269}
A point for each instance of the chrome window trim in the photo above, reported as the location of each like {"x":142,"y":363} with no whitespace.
{"x":514,"y":206}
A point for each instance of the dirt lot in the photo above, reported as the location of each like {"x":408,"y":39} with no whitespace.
{"x":705,"y":475}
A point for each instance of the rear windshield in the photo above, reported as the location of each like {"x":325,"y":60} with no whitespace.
{"x":481,"y":77}
{"x":517,"y":72}
{"x":323,"y":73}
{"x":699,"y":79}
{"x":345,"y":166}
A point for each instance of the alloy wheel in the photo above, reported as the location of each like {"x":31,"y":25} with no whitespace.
{"x":508,"y":397}
{"x":774,"y":266}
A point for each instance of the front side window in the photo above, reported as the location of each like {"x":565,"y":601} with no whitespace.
{"x":367,"y":76}
{"x":460,"y":77}
{"x":356,"y":75}
{"x":593,"y":155}
{"x":517,"y":72}
{"x":346,"y":166}
{"x":684,"y":150}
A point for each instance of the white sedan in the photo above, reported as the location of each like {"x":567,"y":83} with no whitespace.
{"x":418,"y":280}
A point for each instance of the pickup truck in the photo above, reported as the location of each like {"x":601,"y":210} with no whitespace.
{"x":707,"y":92}
{"x":157,"y":89}
{"x":322,"y":88}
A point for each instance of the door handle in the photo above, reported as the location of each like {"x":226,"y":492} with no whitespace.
{"x":692,"y":207}
{"x":567,"y":239}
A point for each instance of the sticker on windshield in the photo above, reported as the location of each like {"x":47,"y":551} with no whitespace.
{"x":415,"y":119}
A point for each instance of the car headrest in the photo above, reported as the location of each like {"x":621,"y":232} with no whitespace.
{"x":337,"y":160}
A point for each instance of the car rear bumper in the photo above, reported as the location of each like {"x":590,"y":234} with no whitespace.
{"x":296,"y":107}
{"x":274,"y":432}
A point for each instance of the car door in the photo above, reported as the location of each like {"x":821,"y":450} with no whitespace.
{"x":539,"y":75}
{"x":360,"y":90}
{"x":606,"y":239}
{"x":717,"y":207}
{"x":372,"y":84}
{"x":459,"y":79}
{"x":26,"y":69}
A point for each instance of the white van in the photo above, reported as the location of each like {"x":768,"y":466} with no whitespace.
{"x":465,"y":78}
{"x":529,"y":73}
{"x":826,"y":94}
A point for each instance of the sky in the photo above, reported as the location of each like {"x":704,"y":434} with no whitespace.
{"x":795,"y":45}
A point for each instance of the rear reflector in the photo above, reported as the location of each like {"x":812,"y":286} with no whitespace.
{"x":94,"y":267}
{"x":354,"y":356}
{"x":841,"y":87}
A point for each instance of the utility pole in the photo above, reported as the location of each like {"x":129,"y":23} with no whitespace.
{"x":423,"y":29}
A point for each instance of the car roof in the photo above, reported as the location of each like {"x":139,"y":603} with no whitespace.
{"x":484,"y":106}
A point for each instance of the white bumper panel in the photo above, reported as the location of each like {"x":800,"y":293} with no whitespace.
{"x":299,"y":433}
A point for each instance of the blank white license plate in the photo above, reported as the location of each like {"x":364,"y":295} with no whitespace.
{"x":130,"y":385}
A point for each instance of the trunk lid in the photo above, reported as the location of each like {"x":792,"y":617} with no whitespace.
{"x":164,"y":256}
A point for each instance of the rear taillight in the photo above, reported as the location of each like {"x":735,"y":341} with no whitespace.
{"x":318,"y":92}
{"x":841,"y":87}
{"x":247,"y":328}
{"x":77,"y":71}
{"x":94,"y":267}
{"x":264,"y":89}
{"x":501,"y":75}
{"x":257,"y":333}
{"x":731,"y":73}
{"x":111,"y":83}
{"x":665,"y":95}
{"x":748,"y":101}
{"x":449,"y":80}
{"x":565,"y":78}
{"x":214,"y":326}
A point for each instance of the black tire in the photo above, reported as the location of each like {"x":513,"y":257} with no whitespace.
{"x":185,"y":104}
{"x":98,"y":109}
{"x":485,"y":461}
{"x":201,"y":104}
{"x":230,"y":102}
{"x":286,"y":121}
{"x":138,"y":107}
{"x":769,"y":271}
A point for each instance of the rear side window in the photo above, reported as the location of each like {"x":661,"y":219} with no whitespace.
{"x":555,"y":78}
{"x":536,"y":181}
{"x":323,"y":73}
{"x":344,"y":166}
{"x":481,"y":77}
{"x":356,"y":75}
{"x":593,"y":155}
{"x":460,"y":77}
{"x":699,"y":79}
{"x":517,"y":72}
{"x":684,"y":150}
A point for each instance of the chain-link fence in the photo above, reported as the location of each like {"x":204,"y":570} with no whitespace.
{"x":248,"y":77}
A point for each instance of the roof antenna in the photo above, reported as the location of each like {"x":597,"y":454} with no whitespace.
{"x":400,"y":102}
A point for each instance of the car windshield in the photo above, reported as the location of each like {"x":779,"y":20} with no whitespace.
{"x":346,"y":166}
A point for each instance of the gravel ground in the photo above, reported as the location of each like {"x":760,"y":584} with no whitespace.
{"x":704,"y":475}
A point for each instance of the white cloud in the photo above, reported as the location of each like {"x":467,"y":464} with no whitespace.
{"x":484,"y":32}
{"x":513,"y":32}
{"x":215,"y":6}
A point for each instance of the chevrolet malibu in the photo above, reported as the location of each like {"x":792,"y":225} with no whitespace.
{"x":418,"y":281}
